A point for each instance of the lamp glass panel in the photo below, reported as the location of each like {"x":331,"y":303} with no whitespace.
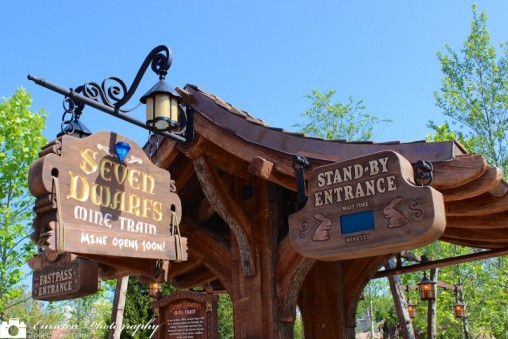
{"x":149,"y":109}
{"x":174,"y":109}
{"x":162,"y":105}
{"x":459,"y":310}
{"x":154,"y":288}
{"x":426,"y":291}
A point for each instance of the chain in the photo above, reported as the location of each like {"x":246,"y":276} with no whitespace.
{"x":153,"y":150}
{"x":68,"y":116}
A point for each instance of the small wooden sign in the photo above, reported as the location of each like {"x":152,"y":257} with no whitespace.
{"x":91,"y":200}
{"x":364,"y":207}
{"x":191,"y":315}
{"x":64,"y":278}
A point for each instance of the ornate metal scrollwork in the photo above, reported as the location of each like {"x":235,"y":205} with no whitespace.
{"x":113,"y":91}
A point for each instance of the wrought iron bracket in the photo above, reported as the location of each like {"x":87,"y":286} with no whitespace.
{"x":299,"y":165}
{"x":113,"y":94}
{"x":423,"y":172}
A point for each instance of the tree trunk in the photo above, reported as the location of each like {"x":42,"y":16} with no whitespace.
{"x":400,"y":302}
{"x":118,"y":308}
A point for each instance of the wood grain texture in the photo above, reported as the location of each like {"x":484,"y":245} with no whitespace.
{"x":488,"y":181}
{"x":226,"y":207}
{"x":459,"y":171}
{"x":481,"y":205}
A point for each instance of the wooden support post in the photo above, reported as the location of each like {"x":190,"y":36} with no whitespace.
{"x":319,"y":303}
{"x":118,"y":308}
{"x":400,"y":304}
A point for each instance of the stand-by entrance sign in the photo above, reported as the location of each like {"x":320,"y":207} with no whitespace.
{"x":366,"y":206}
{"x":91,"y":200}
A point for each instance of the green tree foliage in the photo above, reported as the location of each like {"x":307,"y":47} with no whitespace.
{"x":474,"y":92}
{"x":225,"y":315}
{"x":485,"y":294}
{"x":138,"y":309}
{"x":20,"y":141}
{"x":338,"y":121}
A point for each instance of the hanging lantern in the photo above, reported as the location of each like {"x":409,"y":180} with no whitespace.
{"x":426,"y":287}
{"x":459,"y":309}
{"x":411,"y":308}
{"x":154,"y":290}
{"x":162,"y":107}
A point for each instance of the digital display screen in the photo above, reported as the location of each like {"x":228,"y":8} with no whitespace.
{"x":357,"y":222}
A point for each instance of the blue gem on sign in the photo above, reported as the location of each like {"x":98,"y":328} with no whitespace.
{"x":122,"y":148}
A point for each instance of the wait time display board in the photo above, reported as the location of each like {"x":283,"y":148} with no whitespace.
{"x":364,"y":207}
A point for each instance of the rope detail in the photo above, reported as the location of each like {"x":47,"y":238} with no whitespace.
{"x":175,"y":231}
{"x":59,"y":232}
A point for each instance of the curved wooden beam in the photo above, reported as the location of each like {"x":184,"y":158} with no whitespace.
{"x":484,"y":204}
{"x":486,"y":182}
{"x":357,"y":273}
{"x":478,"y":234}
{"x":205,"y":249}
{"x":459,"y":171}
{"x":492,"y":221}
{"x":474,"y":243}
{"x":214,"y":254}
{"x":291,"y":270}
{"x":197,"y":277}
{"x":229,"y":211}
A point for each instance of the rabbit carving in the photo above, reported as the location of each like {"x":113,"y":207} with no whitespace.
{"x":321,"y":233}
{"x":394,"y":216}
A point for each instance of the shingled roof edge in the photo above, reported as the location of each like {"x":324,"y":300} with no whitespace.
{"x":248,"y":129}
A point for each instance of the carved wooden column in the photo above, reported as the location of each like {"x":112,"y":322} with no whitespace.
{"x":321,"y":302}
{"x":256,"y":313}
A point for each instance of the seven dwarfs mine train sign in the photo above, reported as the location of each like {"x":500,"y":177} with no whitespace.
{"x":99,"y":196}
{"x":367,"y":206}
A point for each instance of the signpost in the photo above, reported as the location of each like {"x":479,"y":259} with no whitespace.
{"x":367,"y":206}
{"x":190,"y":315}
{"x":91,"y":200}
{"x":100,"y":197}
{"x":63,"y":278}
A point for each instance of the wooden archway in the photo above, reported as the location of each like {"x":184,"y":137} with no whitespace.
{"x":237,"y":186}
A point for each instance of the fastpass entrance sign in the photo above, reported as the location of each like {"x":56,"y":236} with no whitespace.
{"x":93,"y":200}
{"x":364,"y":207}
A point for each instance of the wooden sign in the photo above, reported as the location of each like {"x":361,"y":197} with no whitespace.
{"x":191,"y":315}
{"x":63,"y":278}
{"x":91,"y":200}
{"x":367,"y":206}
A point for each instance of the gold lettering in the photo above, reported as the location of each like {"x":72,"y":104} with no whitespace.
{"x":74,"y":193}
{"x":133,"y":179}
{"x":149,"y":183}
{"x":157,"y":210}
{"x":118,"y":201}
{"x":104,"y":170}
{"x":134,"y":204}
{"x":103,"y":198}
{"x":147,"y":203}
{"x":121,"y":178}
{"x":88,"y":165}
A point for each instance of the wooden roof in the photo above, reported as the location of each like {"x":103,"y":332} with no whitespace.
{"x":474,"y":192}
{"x":237,"y":185}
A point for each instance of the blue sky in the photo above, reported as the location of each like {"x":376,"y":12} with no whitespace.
{"x":261,"y":56}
